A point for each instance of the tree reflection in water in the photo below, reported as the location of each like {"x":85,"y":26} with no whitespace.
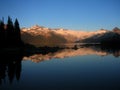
{"x":10,"y":66}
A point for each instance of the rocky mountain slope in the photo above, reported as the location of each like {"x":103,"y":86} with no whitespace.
{"x":42,"y":36}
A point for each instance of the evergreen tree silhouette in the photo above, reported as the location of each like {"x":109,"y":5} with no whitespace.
{"x":10,"y":33}
{"x":17,"y":33}
{"x":2,"y":36}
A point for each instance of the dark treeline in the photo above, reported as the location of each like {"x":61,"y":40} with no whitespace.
{"x":10,"y":50}
{"x":10,"y":35}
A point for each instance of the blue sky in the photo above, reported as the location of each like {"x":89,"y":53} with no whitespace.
{"x":70,"y":14}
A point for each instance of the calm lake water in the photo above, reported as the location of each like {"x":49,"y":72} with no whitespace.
{"x":82,"y":69}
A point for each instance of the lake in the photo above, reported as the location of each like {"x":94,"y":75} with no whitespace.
{"x":85,"y":68}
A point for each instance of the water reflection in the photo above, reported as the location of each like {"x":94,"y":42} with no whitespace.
{"x":115,"y":51}
{"x":77,"y":73}
{"x":70,"y":52}
{"x":10,"y":64}
{"x":10,"y":67}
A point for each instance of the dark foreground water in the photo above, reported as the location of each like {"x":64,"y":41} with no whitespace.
{"x":82,"y":69}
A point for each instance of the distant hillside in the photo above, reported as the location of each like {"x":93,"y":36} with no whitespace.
{"x":42,"y":36}
{"x":110,"y":37}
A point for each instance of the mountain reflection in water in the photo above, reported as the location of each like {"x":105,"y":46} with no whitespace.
{"x":83,"y":50}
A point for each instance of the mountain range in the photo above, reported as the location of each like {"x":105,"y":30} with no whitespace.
{"x":42,"y":36}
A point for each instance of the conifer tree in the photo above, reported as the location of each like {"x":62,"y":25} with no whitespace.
{"x":17,"y":32}
{"x":10,"y":32}
{"x":10,"y":35}
{"x":2,"y":37}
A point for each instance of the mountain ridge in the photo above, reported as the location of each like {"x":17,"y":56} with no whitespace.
{"x":42,"y":36}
